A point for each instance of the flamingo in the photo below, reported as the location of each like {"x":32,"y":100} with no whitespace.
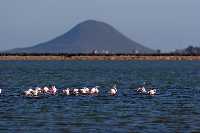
{"x":113,"y":90}
{"x":0,"y":91}
{"x":66,"y":91}
{"x":35,"y":92}
{"x":38,"y":89}
{"x":45,"y":89}
{"x":85,"y":90}
{"x":94,"y":90}
{"x":76,"y":91}
{"x":53,"y":90}
{"x":152,"y":92}
{"x":28,"y":92}
{"x":141,"y":90}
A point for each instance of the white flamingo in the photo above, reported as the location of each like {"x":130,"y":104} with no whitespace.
{"x":152,"y":92}
{"x":53,"y":90}
{"x":35,"y":92}
{"x":113,"y":90}
{"x":66,"y":91}
{"x":85,"y":90}
{"x":76,"y":91}
{"x":28,"y":92}
{"x":94,"y":90}
{"x":45,"y":89}
{"x":38,"y":89}
{"x":141,"y":90}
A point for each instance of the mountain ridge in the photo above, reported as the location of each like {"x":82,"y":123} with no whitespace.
{"x":86,"y":37}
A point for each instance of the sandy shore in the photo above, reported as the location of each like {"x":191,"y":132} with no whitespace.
{"x":99,"y":57}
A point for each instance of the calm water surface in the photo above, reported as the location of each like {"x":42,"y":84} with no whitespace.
{"x":176,"y":108}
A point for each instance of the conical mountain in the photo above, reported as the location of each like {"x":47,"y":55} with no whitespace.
{"x":84,"y":38}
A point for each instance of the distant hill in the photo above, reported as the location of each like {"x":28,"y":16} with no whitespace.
{"x":189,"y":50}
{"x":86,"y":37}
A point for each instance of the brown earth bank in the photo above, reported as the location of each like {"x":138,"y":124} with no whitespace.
{"x":99,"y":57}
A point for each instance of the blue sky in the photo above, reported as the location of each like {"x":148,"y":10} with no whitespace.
{"x":158,"y":24}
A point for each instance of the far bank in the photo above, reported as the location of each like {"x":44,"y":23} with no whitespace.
{"x":99,"y":57}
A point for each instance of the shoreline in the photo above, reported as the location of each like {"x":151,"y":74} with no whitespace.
{"x":99,"y":57}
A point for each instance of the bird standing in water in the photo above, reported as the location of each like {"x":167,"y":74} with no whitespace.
{"x":152,"y":92}
{"x":94,"y":90}
{"x":113,"y":90}
{"x":142,"y":90}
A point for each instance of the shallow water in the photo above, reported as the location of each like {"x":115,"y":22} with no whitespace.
{"x":176,"y":107}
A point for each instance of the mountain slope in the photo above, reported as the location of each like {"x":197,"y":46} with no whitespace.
{"x":84,"y":38}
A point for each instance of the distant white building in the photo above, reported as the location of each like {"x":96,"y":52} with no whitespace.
{"x":105,"y":52}
{"x":95,"y":51}
{"x":135,"y":51}
{"x":100,"y":52}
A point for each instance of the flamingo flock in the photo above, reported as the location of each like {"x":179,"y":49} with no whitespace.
{"x":82,"y":91}
{"x":38,"y":91}
{"x":68,"y":91}
{"x":142,"y":90}
{"x":94,"y":91}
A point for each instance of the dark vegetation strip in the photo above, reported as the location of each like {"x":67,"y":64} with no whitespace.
{"x":90,"y":54}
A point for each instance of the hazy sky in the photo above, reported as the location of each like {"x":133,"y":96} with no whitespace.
{"x":163,"y":24}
